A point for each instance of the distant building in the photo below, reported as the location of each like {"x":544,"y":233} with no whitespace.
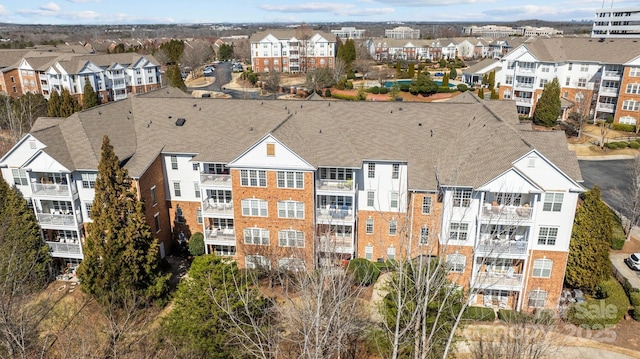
{"x":402,"y":32}
{"x":349,"y":33}
{"x":494,"y":31}
{"x":617,"y":22}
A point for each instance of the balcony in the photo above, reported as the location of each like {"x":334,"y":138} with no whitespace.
{"x":329,"y":215}
{"x":612,"y":75}
{"x":523,"y":85}
{"x":525,"y":70}
{"x":228,"y":234}
{"x":606,"y":107}
{"x":508,"y":213}
{"x":609,"y":91}
{"x":215,"y":180}
{"x":336,"y":244}
{"x":497,"y":280}
{"x":58,"y":219}
{"x":210,"y":206}
{"x":53,"y":190}
{"x":523,"y":100}
{"x":501,"y":247}
{"x":62,"y":249}
{"x":334,"y":185}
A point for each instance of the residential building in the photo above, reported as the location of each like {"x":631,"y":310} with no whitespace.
{"x":300,"y":184}
{"x":349,"y":32}
{"x":495,"y":31}
{"x":617,"y":23}
{"x":600,"y":77}
{"x":474,"y":74}
{"x":292,"y":50}
{"x":382,"y":49}
{"x":402,"y":32}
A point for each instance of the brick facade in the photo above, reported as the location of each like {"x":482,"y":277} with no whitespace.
{"x":154,"y":176}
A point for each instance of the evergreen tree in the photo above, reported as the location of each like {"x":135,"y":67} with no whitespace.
{"x":89,"y":96}
{"x":225,"y":52}
{"x":588,"y":262}
{"x":174,"y":76}
{"x":494,"y":94}
{"x":68,"y":104}
{"x":548,"y":107}
{"x":347,"y":53}
{"x":491,"y":80}
{"x":453,"y":73}
{"x":398,"y":68}
{"x":173,"y":49}
{"x":53,"y":106}
{"x":412,"y":70}
{"x":196,"y":244}
{"x":481,"y":93}
{"x":120,"y":254}
{"x":445,"y":80}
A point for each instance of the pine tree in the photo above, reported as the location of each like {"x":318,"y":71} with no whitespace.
{"x":347,"y":53}
{"x":53,"y":106}
{"x":445,"y":80}
{"x":588,"y":262}
{"x":548,"y":107}
{"x":481,"y":93}
{"x":412,"y":70}
{"x":120,"y":251}
{"x":68,"y":104}
{"x":89,"y":96}
{"x":175,"y":77}
{"x":494,"y":94}
{"x":491,"y":80}
{"x":453,"y":73}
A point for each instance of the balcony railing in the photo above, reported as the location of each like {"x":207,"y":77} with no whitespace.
{"x":511,"y":213}
{"x":525,"y":85}
{"x":498,"y":280}
{"x":526,"y":100}
{"x":57,"y":219}
{"x":61,"y":248}
{"x":209,"y":179}
{"x":53,"y":190}
{"x":334,"y":185}
{"x":336,"y":244}
{"x":211,"y":206}
{"x":334,"y":214}
{"x":608,"y":90}
{"x":501,"y":247}
{"x":612,"y":74}
{"x":228,"y":234}
{"x":608,"y":107}
{"x":525,"y":70}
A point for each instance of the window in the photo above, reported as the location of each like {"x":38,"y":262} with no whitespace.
{"x":88,"y":206}
{"x":634,"y":71}
{"x":291,"y":238}
{"x":456,"y":262}
{"x":394,"y":199}
{"x":196,"y":166}
{"x":336,"y":173}
{"x":512,"y":199}
{"x":156,"y":221}
{"x":391,"y":253}
{"x":179,"y":215}
{"x":256,"y":236}
{"x":89,"y":180}
{"x":20,"y":177}
{"x":371,"y":170}
{"x":570,"y":66}
{"x":552,"y":202}
{"x":543,"y":82}
{"x":426,"y":205}
{"x":271,"y":149}
{"x":567,"y":81}
{"x":196,"y":189}
{"x":369,"y":226}
{"x":458,"y":231}
{"x":542,"y":268}
{"x":544,"y":68}
{"x":508,"y":80}
{"x":371,"y":198}
{"x":548,"y":236}
{"x":631,"y":105}
{"x":32,"y":144}
{"x":395,"y":171}
{"x":633,"y":88}
{"x":174,"y":162}
{"x":291,"y":209}
{"x":537,"y":298}
{"x":368,"y":253}
{"x":151,"y":79}
{"x":462,"y":198}
{"x":199,"y":215}
{"x":254,"y":207}
{"x":393,"y":227}
{"x":253,"y":178}
{"x":424,"y":235}
{"x":176,"y":189}
{"x":582,"y":82}
{"x":584,"y":68}
{"x":290,"y":179}
{"x":139,"y":81}
{"x":154,"y":199}
{"x":256,"y":261}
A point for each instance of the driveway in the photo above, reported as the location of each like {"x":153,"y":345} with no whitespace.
{"x":617,"y":259}
{"x":610,"y":175}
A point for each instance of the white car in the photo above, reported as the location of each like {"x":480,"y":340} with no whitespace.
{"x":633,"y":261}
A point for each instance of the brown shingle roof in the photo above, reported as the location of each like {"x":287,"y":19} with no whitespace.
{"x":566,"y":49}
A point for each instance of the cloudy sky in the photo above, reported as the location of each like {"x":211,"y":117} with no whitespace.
{"x":244,"y":11}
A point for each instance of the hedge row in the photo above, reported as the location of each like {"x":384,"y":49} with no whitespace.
{"x":480,"y":314}
{"x":364,"y":272}
{"x":623,"y":144}
{"x":378,"y":90}
{"x":623,"y":127}
{"x":635,"y":301}
{"x":608,"y":309}
{"x":345,"y":97}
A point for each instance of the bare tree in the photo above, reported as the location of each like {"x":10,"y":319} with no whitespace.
{"x":272,"y":82}
{"x":195,"y":55}
{"x":629,"y":196}
{"x":162,"y":57}
{"x":604,"y":130}
{"x":19,"y":114}
{"x":242,"y":49}
{"x":320,"y":78}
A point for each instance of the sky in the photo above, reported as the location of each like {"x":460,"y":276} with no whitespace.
{"x":94,"y":12}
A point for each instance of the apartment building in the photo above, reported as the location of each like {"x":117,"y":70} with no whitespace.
{"x":402,"y":32}
{"x":349,"y":32}
{"x":112,"y":76}
{"x":617,"y":23}
{"x":496,"y":31}
{"x":384,"y":49}
{"x":292,"y":50}
{"x":298,"y":184}
{"x":601,"y":78}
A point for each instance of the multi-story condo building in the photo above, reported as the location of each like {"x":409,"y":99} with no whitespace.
{"x":299,"y":184}
{"x":349,"y":32}
{"x":112,"y":76}
{"x":600,"y":77}
{"x":299,"y":50}
{"x":617,"y":23}
{"x":402,"y":32}
{"x":495,"y":31}
{"x":384,"y":49}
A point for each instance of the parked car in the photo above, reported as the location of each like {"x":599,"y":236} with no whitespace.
{"x":633,"y":261}
{"x":438,"y":74}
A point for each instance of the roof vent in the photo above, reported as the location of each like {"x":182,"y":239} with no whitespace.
{"x":99,"y":112}
{"x":251,"y":128}
{"x":180,"y":122}
{"x":399,"y":108}
{"x":169,"y":117}
{"x":431,"y":133}
{"x":419,"y":124}
{"x":195,"y":105}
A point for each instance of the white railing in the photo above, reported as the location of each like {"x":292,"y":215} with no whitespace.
{"x":523,"y":99}
{"x":53,"y":190}
{"x":56,"y":219}
{"x":511,"y":213}
{"x":209,"y":179}
{"x":501,"y":247}
{"x":211,"y":206}
{"x":60,"y":248}
{"x":334,"y":214}
{"x":221,"y":234}
{"x":524,"y":85}
{"x":609,"y":90}
{"x":336,"y":244}
{"x":496,"y":279}
{"x":606,"y":106}
{"x":334,"y":185}
{"x":612,"y":74}
{"x":526,"y":70}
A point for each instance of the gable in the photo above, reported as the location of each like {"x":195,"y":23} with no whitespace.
{"x":21,"y":152}
{"x":519,"y":53}
{"x":42,"y":162}
{"x":634,"y":62}
{"x":24,"y":65}
{"x":270,"y":153}
{"x":545,"y":174}
{"x":511,"y":181}
{"x":318,"y":38}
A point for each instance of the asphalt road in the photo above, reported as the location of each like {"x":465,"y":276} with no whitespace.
{"x":610,"y":175}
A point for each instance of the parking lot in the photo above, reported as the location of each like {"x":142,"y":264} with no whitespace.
{"x":617,"y":259}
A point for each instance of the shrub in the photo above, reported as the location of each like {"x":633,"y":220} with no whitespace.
{"x":383,"y":90}
{"x":374,"y":90}
{"x":607,"y":309}
{"x":462,"y":87}
{"x":444,"y":89}
{"x":511,"y":316}
{"x":481,"y":314}
{"x":327,"y":93}
{"x":634,"y":145}
{"x":349,"y":85}
{"x":635,"y":301}
{"x":345,"y":97}
{"x":623,"y":127}
{"x":196,"y":244}
{"x":622,"y":144}
{"x":364,"y":272}
{"x":612,"y":145}
{"x":618,"y":237}
{"x":617,"y":243}
{"x":405,"y":87}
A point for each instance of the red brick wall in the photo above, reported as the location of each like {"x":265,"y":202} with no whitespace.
{"x":626,"y":79}
{"x":552,"y":285}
